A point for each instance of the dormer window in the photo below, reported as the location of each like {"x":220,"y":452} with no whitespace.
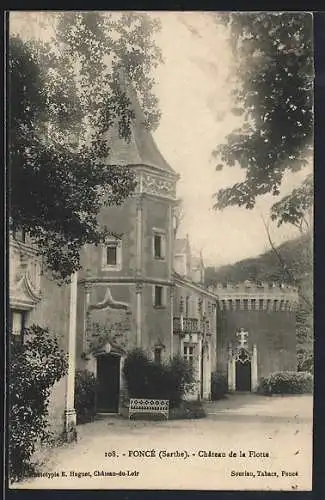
{"x":112,"y":255}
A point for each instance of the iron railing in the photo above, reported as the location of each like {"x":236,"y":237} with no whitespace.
{"x":190,"y":325}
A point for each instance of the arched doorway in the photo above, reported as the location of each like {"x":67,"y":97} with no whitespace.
{"x":108,"y":383}
{"x":243,"y":371}
{"x":243,"y":376}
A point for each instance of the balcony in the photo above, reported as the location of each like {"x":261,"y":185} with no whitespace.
{"x":191,"y":325}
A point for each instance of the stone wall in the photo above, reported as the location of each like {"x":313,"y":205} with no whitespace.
{"x":273,"y":333}
{"x":156,"y":216}
{"x":156,"y":322}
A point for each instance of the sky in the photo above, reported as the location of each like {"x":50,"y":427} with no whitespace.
{"x":194,"y":98}
{"x":196,"y":104}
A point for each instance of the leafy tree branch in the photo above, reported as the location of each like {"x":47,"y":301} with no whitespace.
{"x":64,"y":95}
{"x":273,"y":93}
{"x":286,"y":269}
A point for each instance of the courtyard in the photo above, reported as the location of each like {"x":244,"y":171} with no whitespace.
{"x":246,"y":442}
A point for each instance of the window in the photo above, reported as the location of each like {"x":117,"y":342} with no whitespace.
{"x":189,"y":354}
{"x":17,"y":324}
{"x":253,"y":304}
{"x":187,"y":306}
{"x":112,"y":255}
{"x":159,"y":296}
{"x":181,"y":305}
{"x":245,"y":304}
{"x":157,"y":355}
{"x":20,"y":235}
{"x":158,"y":246}
{"x":159,"y":243}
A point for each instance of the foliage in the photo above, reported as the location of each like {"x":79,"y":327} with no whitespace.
{"x":296,"y":208}
{"x":266,"y":267}
{"x":147,"y":379}
{"x":273,"y":93}
{"x":85,"y":393}
{"x":181,"y":375}
{"x":297,"y":255}
{"x":187,"y":410}
{"x":305,"y":358}
{"x":286,"y":382}
{"x":137,"y":362}
{"x":64,"y":95}
{"x":219,"y":386}
{"x":305,"y":342}
{"x":34,"y":367}
{"x":102,"y":43}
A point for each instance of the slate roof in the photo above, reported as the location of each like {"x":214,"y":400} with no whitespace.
{"x":141,"y":149}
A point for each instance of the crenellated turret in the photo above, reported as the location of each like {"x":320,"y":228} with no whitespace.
{"x":256,"y":321}
{"x":256,"y":296}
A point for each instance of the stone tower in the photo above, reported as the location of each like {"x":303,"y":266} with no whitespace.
{"x":126,"y":283}
{"x":256,"y":332}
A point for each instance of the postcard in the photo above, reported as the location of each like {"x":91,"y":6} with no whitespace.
{"x":161,"y":266}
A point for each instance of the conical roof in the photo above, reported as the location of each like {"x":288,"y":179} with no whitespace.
{"x":141,"y":149}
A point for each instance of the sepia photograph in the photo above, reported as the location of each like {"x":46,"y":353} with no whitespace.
{"x":160,"y":250}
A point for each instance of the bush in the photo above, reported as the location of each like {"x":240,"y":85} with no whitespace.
{"x":85,"y":393}
{"x":219,"y":386}
{"x":187,"y":410}
{"x":305,"y":360}
{"x":147,"y":379}
{"x":286,"y":383}
{"x":136,"y":371}
{"x":179,"y":375}
{"x":34,"y":367}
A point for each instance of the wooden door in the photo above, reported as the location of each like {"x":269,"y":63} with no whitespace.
{"x":243,"y":376}
{"x":108,"y":383}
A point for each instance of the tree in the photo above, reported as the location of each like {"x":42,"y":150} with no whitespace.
{"x":34,"y":367}
{"x":273,"y":93}
{"x":64,"y":95}
{"x":267,"y":267}
{"x":296,"y":208}
{"x":290,"y":274}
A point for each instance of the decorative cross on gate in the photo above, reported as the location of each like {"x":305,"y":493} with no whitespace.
{"x":242,"y":336}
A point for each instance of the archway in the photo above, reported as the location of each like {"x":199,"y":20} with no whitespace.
{"x":243,"y":376}
{"x":108,"y":383}
{"x":243,"y":370}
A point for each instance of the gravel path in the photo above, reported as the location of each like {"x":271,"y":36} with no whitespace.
{"x":274,"y":434}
